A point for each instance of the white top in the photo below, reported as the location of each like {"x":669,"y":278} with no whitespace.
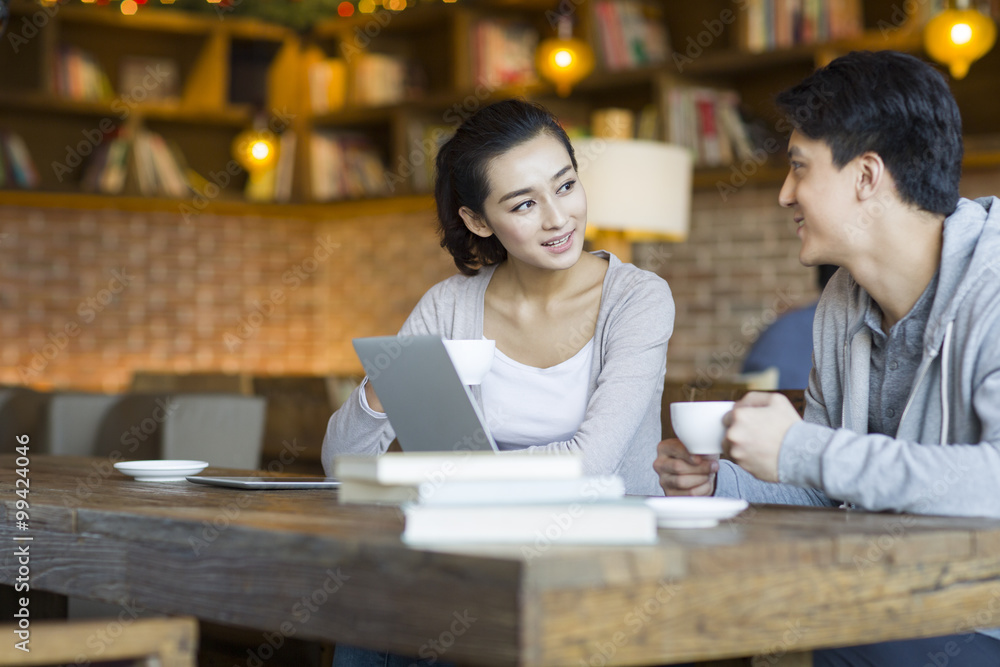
{"x":540,"y":405}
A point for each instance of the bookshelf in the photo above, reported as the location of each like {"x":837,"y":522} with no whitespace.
{"x":432,"y":65}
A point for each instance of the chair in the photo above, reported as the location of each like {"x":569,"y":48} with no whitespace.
{"x":22,"y":412}
{"x":126,"y":425}
{"x":163,"y":642}
{"x":191,"y":383}
{"x":298,"y":410}
{"x":225,"y":430}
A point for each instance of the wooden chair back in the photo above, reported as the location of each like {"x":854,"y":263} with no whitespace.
{"x":165,"y":642}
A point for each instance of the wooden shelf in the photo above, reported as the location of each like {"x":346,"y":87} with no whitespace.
{"x":236,"y":115}
{"x":318,"y":212}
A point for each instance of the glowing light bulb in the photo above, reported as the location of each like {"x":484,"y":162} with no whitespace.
{"x":260,"y":150}
{"x":961,"y":33}
{"x":563,"y":58}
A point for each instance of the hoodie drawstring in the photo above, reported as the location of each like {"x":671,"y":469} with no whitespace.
{"x":944,"y":382}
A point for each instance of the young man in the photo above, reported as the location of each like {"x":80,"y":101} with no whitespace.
{"x":903,"y":405}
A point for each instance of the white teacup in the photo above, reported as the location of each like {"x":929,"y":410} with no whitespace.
{"x":698,"y":424}
{"x":472,"y":358}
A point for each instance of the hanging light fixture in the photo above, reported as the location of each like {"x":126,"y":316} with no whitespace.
{"x":564,"y":60}
{"x":256,"y":150}
{"x":958,"y":37}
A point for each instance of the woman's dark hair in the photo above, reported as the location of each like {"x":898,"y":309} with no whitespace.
{"x":892,"y":104}
{"x":463,"y":173}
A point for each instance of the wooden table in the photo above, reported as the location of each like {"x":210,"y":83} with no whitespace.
{"x":295,"y":563}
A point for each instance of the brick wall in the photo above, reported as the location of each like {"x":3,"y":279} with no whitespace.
{"x":90,"y":296}
{"x":87,"y":297}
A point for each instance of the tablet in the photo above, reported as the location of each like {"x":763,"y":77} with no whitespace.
{"x":428,"y":406}
{"x":267,"y":482}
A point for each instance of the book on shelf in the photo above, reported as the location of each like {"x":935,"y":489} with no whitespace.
{"x":138,"y":162}
{"x":327,"y":85}
{"x":503,"y":52}
{"x":629,"y":33}
{"x":285,"y":167}
{"x":708,"y":122}
{"x":484,"y":492}
{"x":780,"y":24}
{"x":420,"y":467}
{"x":345,"y":165}
{"x":17,"y":169}
{"x":77,"y":75}
{"x":378,"y":80}
{"x":602,"y":522}
{"x":147,"y":78}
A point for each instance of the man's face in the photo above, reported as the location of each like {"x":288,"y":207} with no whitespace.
{"x":823,"y":199}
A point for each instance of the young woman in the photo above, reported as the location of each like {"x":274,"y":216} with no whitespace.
{"x":581,"y":338}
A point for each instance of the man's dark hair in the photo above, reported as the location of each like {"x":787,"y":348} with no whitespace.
{"x":892,"y":104}
{"x":463,"y":173}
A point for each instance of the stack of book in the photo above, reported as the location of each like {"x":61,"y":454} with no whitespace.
{"x":484,"y":498}
{"x":379,"y":80}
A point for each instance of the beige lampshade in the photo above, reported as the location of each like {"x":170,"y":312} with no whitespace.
{"x":640,"y":188}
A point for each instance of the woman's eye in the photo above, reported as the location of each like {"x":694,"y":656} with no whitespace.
{"x":796,"y":165}
{"x":523,"y":206}
{"x":567,"y":186}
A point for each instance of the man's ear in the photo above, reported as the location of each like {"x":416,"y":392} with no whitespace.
{"x":872,"y":175}
{"x":474,"y":223}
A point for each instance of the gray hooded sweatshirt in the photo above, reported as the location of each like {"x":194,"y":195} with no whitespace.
{"x":945,"y":458}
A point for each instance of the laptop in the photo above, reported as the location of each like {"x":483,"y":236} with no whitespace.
{"x":428,"y":406}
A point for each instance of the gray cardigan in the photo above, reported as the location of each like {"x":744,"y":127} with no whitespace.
{"x":621,"y":428}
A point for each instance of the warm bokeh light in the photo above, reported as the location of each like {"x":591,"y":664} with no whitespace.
{"x":166,"y":2}
{"x":563,"y":58}
{"x":87,"y":2}
{"x":260,"y":150}
{"x":366,"y":6}
{"x":395,"y":5}
{"x":345,"y":9}
{"x":961,"y":33}
{"x":129,"y":7}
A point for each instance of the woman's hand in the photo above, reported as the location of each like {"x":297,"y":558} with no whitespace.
{"x":682,"y":473}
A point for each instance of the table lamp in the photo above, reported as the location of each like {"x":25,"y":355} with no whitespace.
{"x":636,"y":191}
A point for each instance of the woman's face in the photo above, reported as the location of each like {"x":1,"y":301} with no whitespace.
{"x":536,"y":206}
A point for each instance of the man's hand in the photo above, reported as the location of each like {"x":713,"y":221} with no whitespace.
{"x":682,"y":473}
{"x":755,"y":430}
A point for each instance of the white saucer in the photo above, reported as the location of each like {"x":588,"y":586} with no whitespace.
{"x":161,"y":471}
{"x":694,"y":512}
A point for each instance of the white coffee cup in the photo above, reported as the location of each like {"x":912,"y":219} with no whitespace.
{"x":698,"y":424}
{"x":471,"y":358}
